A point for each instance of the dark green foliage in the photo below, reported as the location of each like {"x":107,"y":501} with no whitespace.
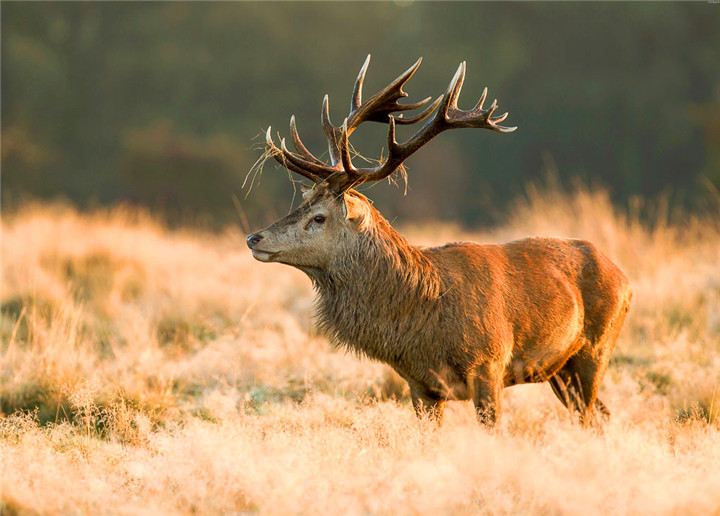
{"x":161,"y":103}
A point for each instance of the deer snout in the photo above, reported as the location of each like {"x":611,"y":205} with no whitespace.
{"x":253,"y":240}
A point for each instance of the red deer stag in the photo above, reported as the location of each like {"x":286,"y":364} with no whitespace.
{"x":457,"y":322}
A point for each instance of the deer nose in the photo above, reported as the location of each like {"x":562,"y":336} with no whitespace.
{"x":253,"y":240}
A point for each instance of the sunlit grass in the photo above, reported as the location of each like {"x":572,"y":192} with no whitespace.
{"x":151,"y":371}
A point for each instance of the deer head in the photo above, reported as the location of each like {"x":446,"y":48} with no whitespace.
{"x":332,"y":212}
{"x":309,"y":237}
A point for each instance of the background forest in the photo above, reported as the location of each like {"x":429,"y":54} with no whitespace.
{"x":163,"y":104}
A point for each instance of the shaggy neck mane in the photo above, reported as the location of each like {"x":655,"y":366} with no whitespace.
{"x":377,"y":276}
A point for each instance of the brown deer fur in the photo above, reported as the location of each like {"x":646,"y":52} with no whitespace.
{"x":461,"y":321}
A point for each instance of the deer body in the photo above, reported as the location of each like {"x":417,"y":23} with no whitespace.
{"x":461,"y":321}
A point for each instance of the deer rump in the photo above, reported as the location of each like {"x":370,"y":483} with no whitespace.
{"x":460,"y":321}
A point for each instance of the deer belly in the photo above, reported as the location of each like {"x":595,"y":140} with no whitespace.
{"x":448,"y":385}
{"x":537,"y":358}
{"x":441,"y":382}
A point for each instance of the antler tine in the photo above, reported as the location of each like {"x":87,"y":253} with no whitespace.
{"x":456,"y":84}
{"x":379,"y":107}
{"x":294,"y":163}
{"x":479,"y":105}
{"x":449,"y":102}
{"x":492,"y":109}
{"x":279,"y":156}
{"x":499,"y":118}
{"x":299,"y":144}
{"x":332,"y":133}
{"x":422,"y":116}
{"x":351,"y":173}
{"x":357,"y":89}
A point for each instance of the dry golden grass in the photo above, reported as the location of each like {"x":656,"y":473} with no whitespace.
{"x":148,"y":371}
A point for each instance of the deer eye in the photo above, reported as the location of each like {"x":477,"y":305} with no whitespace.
{"x":319,"y":219}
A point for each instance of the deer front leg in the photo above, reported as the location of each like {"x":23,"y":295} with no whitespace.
{"x":487,"y":395}
{"x":425,"y":406}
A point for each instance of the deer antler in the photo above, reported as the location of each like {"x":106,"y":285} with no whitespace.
{"x":341,"y":173}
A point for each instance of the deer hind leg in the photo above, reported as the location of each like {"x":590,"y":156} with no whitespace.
{"x":487,"y":395}
{"x":578,"y":382}
{"x":576,"y":385}
{"x":426,"y":406}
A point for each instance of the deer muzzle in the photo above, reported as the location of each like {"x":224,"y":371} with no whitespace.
{"x":260,"y":255}
{"x":253,"y":240}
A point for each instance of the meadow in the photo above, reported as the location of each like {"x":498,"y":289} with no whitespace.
{"x":155,"y":371}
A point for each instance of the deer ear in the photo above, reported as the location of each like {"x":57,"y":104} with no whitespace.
{"x":306,"y":190}
{"x":355,"y":211}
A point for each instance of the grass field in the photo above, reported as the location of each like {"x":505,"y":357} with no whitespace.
{"x":150,"y":371}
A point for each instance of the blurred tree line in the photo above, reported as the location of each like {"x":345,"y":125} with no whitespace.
{"x":164,"y":104}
